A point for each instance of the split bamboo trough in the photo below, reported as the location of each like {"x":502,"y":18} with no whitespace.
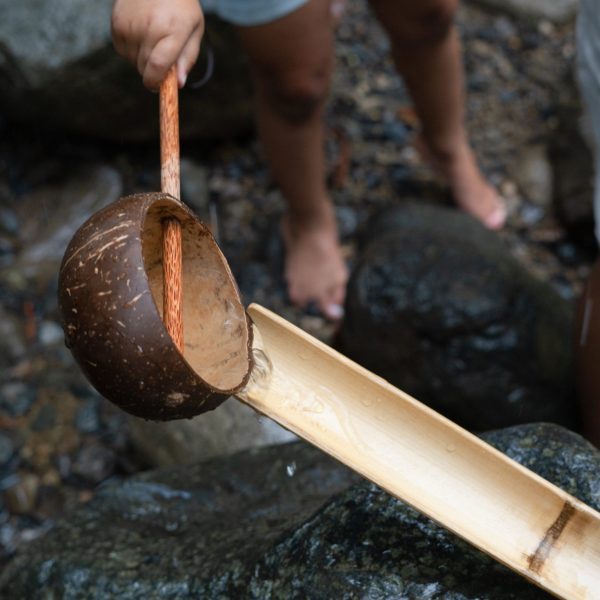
{"x":419,"y":456}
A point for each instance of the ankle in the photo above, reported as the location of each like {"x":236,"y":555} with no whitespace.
{"x":318,"y":216}
{"x":446,"y":152}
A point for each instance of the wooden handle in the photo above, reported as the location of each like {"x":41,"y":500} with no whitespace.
{"x":169,"y":135}
{"x":169,"y":178}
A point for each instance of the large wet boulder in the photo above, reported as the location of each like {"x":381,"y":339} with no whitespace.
{"x":282,"y":522}
{"x":437,"y":306}
{"x":58,"y":70}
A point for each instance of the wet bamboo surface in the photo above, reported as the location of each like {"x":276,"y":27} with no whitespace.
{"x":419,"y":456}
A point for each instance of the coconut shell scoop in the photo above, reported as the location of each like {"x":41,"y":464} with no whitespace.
{"x":132,"y":275}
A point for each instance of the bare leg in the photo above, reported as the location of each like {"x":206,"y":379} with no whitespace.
{"x":426,"y":51}
{"x":291,"y":61}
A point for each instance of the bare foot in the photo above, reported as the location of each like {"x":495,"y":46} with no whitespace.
{"x":314,"y":267}
{"x":469,"y":188}
{"x":338,"y":9}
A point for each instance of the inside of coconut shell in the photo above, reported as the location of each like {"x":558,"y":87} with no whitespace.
{"x":215,"y":325}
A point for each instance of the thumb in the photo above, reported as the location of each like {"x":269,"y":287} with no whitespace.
{"x":188,"y":56}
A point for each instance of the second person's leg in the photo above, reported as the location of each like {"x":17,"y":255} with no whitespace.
{"x":427,"y":53}
{"x":291,"y":60}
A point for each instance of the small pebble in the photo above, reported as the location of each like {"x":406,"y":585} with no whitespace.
{"x":16,"y":398}
{"x":45,"y":418}
{"x":86,"y":419}
{"x":532,"y":214}
{"x":7,"y":249}
{"x":94,"y":463}
{"x":7,"y":449}
{"x":9,"y":223}
{"x":50,"y":502}
{"x":50,"y":333}
{"x":20,"y":498}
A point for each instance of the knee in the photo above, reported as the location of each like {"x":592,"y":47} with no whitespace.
{"x":297,"y":96}
{"x":430,"y":23}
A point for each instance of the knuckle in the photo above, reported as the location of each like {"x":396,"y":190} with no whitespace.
{"x":157,"y":62}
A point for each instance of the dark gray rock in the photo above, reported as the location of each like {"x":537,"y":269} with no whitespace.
{"x":397,"y":553}
{"x":557,"y":454}
{"x":192,"y":531}
{"x":437,"y":306}
{"x":7,"y":448}
{"x":58,"y":70}
{"x":12,"y":338}
{"x":573,"y":171}
{"x":87,"y":419}
{"x":280,"y":523}
{"x":45,"y":418}
{"x":16,"y":398}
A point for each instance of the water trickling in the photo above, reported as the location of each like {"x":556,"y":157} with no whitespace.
{"x":260,"y":375}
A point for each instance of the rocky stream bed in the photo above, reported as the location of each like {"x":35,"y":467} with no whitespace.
{"x":476,"y":324}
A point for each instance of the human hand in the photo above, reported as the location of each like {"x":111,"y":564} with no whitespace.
{"x":156,"y":34}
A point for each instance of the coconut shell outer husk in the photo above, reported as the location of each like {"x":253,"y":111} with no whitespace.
{"x":111,"y":321}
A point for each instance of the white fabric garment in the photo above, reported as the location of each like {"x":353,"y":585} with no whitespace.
{"x":250,"y":12}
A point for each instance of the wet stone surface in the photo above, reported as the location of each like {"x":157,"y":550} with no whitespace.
{"x":438,"y":308}
{"x":281,"y":523}
{"x":518,"y":85}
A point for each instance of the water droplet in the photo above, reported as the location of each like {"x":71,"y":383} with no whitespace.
{"x":303,"y":356}
{"x":291,"y":469}
{"x":450,"y":448}
{"x":366,"y":401}
{"x":312,"y":404}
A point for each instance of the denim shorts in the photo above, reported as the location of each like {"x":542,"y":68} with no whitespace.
{"x":250,"y":12}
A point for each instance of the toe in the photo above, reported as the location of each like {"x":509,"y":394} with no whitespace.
{"x":333,"y":312}
{"x":497,"y":218}
{"x":332,"y":306}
